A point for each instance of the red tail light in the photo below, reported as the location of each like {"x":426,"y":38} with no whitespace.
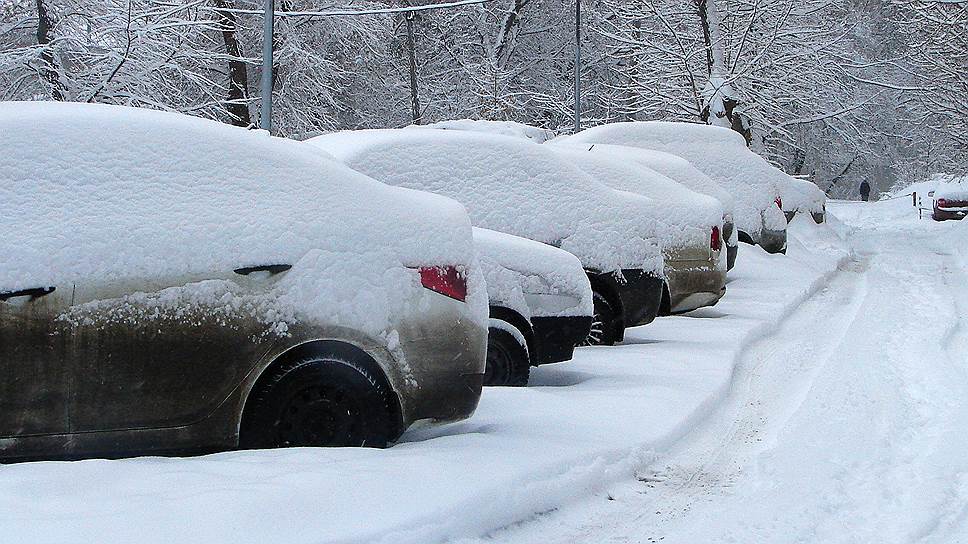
{"x":941,"y":203}
{"x":446,"y":280}
{"x":715,"y":240}
{"x":779,"y":202}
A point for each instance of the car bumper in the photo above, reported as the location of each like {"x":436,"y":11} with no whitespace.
{"x":639,"y":293}
{"x":694,"y":284}
{"x":555,"y":338}
{"x":442,"y":363}
{"x":773,"y":241}
{"x":946,"y":215}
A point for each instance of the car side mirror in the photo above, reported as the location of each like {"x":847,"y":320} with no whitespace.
{"x":930,"y":193}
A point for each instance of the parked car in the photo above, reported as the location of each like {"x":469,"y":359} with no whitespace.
{"x":802,"y":196}
{"x":691,"y":224}
{"x":525,"y":189}
{"x":540,"y":305}
{"x":723,"y":156}
{"x":950,"y":198}
{"x":683,"y":172}
{"x":175,"y":285}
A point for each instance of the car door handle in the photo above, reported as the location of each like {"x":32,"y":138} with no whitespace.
{"x":35,"y":292}
{"x":270,"y":268}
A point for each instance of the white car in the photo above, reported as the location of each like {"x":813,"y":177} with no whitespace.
{"x":692,"y":223}
{"x":525,"y":189}
{"x":177,"y":285}
{"x":802,"y":196}
{"x":721,"y":154}
{"x":540,"y":305}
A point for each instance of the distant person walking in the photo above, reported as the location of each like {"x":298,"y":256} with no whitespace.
{"x":865,"y":191}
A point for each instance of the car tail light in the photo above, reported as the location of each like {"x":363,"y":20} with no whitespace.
{"x":779,"y":202}
{"x":715,"y":240}
{"x":446,"y":280}
{"x":941,"y":203}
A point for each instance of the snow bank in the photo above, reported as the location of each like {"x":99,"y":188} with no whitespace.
{"x":719,"y":152}
{"x":503,"y":128}
{"x":512,"y":186}
{"x":580,"y":427}
{"x":687,"y":217}
{"x":515,"y":267}
{"x":101,"y":195}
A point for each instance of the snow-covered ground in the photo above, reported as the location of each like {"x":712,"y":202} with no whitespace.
{"x":823,"y":400}
{"x":580,"y":427}
{"x":846,"y":424}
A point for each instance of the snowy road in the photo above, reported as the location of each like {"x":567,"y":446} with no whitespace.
{"x":846,"y":425}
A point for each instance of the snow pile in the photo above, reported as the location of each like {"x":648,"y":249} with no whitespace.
{"x":688,"y":217}
{"x":512,"y":186}
{"x":802,"y":196}
{"x":105,"y":195}
{"x":515,"y":267}
{"x":504,"y":128}
{"x":719,"y":152}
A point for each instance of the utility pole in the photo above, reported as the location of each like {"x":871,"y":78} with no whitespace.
{"x":265,"y":110}
{"x":577,"y":65}
{"x":414,"y":96}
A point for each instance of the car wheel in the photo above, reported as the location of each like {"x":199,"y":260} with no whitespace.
{"x":318,"y":401}
{"x":602,"y":332}
{"x":507,"y":358}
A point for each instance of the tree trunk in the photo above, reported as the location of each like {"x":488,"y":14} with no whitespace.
{"x":237,"y":104}
{"x":45,"y":30}
{"x":721,"y":100}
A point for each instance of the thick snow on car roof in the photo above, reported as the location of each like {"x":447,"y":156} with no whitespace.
{"x":95,"y":193}
{"x":951,"y":187}
{"x":669,"y":165}
{"x":688,"y":217}
{"x":504,"y":128}
{"x":802,"y":195}
{"x":719,"y":152}
{"x":513,"y":266}
{"x":512,"y":186}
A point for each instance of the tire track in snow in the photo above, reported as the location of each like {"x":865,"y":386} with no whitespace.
{"x":774,"y":376}
{"x":710,"y":458}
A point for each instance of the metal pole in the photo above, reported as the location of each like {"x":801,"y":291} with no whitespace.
{"x":265,"y":120}
{"x":414,"y":95}
{"x":577,"y":65}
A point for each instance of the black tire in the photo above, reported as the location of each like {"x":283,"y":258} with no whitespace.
{"x":507,"y":359}
{"x":602,"y":332}
{"x":319,"y":401}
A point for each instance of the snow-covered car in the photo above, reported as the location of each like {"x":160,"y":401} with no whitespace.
{"x":950,"y":198}
{"x":691,"y":237}
{"x":176,"y":285}
{"x":802,"y":196}
{"x":525,"y":189}
{"x":540,"y":305}
{"x":682,"y":172}
{"x":537,"y":135}
{"x":721,"y":154}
